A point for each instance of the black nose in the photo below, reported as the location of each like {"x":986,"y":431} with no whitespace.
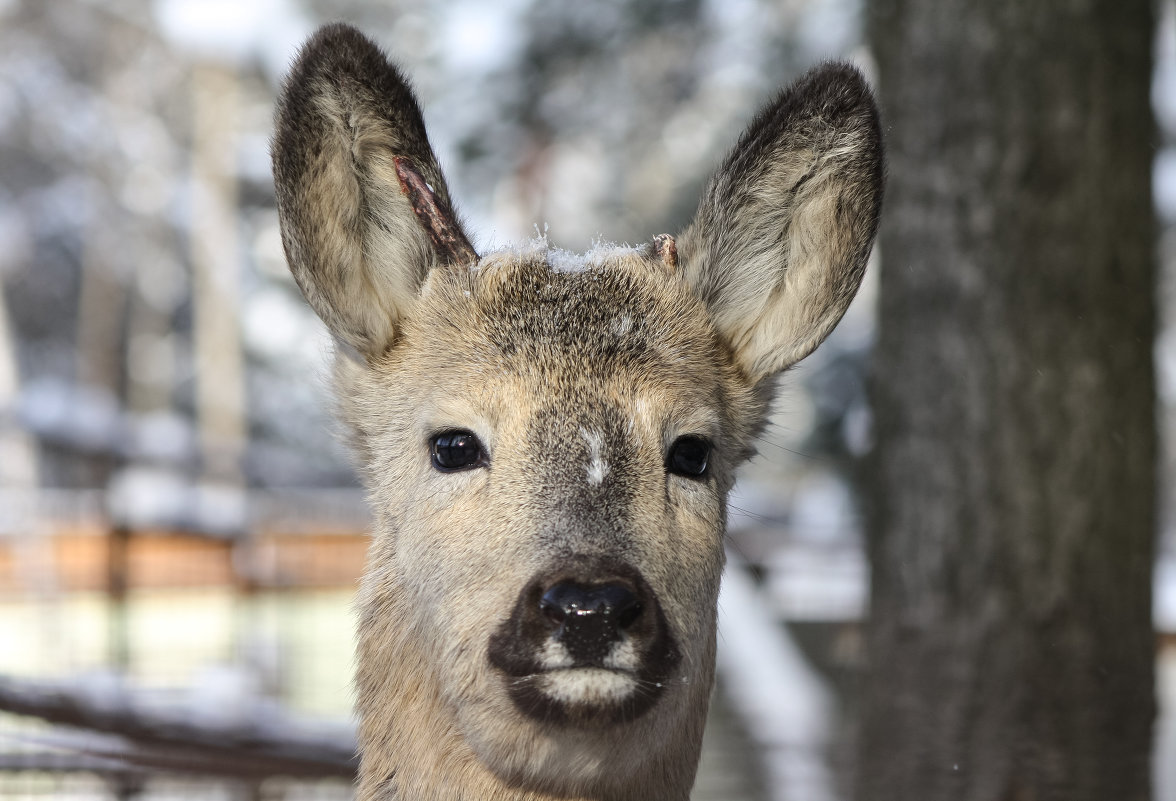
{"x":588,"y":619}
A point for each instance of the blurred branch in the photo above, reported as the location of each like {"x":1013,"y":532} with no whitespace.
{"x":153,"y":739}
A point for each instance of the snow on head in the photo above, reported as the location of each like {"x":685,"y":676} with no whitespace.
{"x":604,"y":252}
{"x":560,"y":260}
{"x":564,"y":261}
{"x":601,"y":253}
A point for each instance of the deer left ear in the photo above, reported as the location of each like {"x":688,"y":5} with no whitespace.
{"x":780,"y":241}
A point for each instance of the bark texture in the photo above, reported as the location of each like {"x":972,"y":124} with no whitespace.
{"x":1012,"y":489}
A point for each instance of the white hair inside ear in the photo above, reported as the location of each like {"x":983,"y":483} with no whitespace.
{"x":780,"y":242}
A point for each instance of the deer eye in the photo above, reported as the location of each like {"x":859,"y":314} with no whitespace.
{"x":456,"y":450}
{"x":688,"y":456}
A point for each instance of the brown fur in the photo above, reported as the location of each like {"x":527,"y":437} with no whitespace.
{"x":577,"y":382}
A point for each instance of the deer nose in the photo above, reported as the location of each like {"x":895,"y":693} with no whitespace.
{"x":588,"y":619}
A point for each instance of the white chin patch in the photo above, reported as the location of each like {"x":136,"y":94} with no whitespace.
{"x":591,"y":686}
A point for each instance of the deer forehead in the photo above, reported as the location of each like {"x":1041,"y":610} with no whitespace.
{"x":620,"y":332}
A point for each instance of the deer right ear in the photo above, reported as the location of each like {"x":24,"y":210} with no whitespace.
{"x":363,"y":206}
{"x":780,"y":242}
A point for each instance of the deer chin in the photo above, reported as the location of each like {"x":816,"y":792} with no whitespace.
{"x":590,"y":736}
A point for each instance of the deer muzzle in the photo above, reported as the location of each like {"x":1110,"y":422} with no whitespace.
{"x":586,"y":644}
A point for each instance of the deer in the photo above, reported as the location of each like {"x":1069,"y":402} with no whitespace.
{"x":547,"y":441}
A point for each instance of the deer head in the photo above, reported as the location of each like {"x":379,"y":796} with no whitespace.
{"x":548,"y":441}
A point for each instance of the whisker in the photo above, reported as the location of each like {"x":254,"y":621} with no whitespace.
{"x":802,"y":454}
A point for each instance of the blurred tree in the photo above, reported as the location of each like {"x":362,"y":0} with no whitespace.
{"x":1012,"y":486}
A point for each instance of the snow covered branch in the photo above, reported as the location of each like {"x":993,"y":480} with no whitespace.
{"x":133,"y":735}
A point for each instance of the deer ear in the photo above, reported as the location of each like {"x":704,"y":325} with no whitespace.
{"x":363,"y":206}
{"x":780,"y":241}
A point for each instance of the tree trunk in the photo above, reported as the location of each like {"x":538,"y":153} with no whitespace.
{"x":1012,"y":490}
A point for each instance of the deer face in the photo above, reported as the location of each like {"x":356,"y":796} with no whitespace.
{"x":550,"y":452}
{"x":549,"y":445}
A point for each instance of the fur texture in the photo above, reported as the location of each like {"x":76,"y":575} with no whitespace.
{"x":579,"y":377}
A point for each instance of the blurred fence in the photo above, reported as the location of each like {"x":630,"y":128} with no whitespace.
{"x":173,"y":664}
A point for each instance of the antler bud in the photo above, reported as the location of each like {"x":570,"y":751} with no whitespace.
{"x":666,"y":249}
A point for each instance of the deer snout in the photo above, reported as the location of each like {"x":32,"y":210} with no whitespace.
{"x":589,"y":619}
{"x":586,"y":643}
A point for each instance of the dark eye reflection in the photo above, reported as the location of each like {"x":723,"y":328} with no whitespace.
{"x":689,"y":456}
{"x":457,"y":450}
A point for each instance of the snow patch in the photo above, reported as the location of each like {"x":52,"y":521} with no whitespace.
{"x":233,"y":32}
{"x":1164,"y":593}
{"x":481,"y":37}
{"x":559,"y":259}
{"x":1164,"y":184}
{"x":564,"y":261}
{"x":600,"y":254}
{"x":535,"y":248}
